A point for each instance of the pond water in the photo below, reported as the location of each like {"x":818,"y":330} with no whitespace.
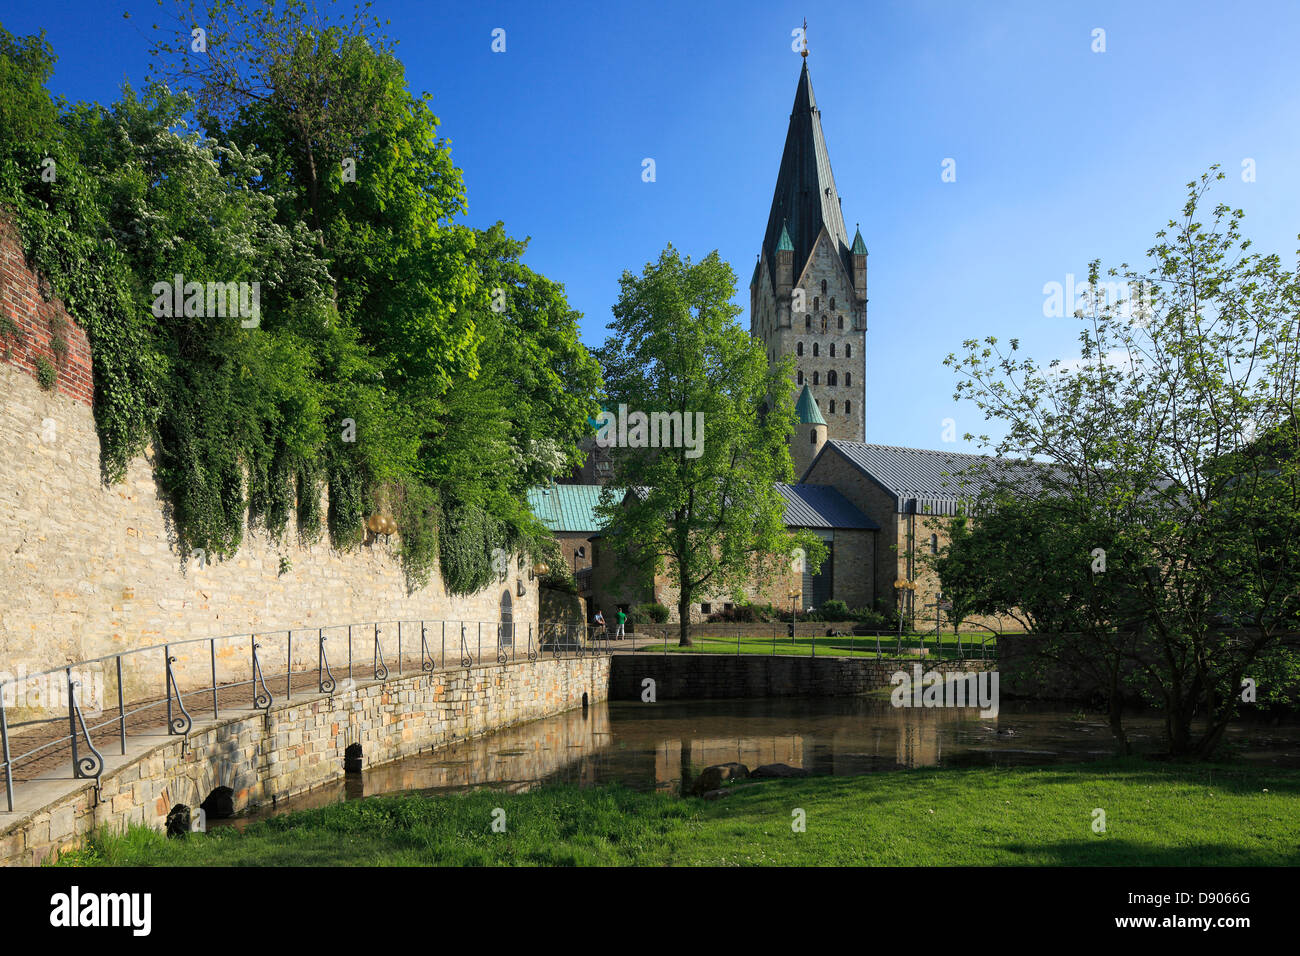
{"x":653,"y":746}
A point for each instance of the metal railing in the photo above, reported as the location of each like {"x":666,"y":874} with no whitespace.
{"x":173,"y":667}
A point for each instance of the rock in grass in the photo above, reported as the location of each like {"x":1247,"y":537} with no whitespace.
{"x":778,"y":770}
{"x":711,"y":778}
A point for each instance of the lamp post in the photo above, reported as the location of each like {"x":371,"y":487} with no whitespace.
{"x":795,"y":594}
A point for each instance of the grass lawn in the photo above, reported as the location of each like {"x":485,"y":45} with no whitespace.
{"x":822,"y":646}
{"x":1157,"y":814}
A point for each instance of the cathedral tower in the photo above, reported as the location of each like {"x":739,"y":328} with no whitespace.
{"x":808,"y":296}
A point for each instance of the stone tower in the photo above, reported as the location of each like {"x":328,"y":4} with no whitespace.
{"x":808,"y":296}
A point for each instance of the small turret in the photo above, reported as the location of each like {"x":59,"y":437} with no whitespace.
{"x":810,"y":435}
{"x":859,"y":253}
{"x":784,"y":277}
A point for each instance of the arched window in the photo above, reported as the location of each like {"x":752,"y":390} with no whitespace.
{"x":823,"y":322}
{"x":832,"y":306}
{"x":814,"y":378}
{"x":830,"y":378}
{"x":848,"y":407}
{"x":832,"y":406}
{"x":823,"y":286}
{"x":799,"y":380}
{"x":848,"y":379}
{"x":807,"y":321}
{"x":798,"y":348}
{"x":815,"y":349}
{"x":832,"y":350}
{"x":812,"y":436}
{"x":848,"y":351}
{"x":934,"y":544}
{"x":817,"y":302}
{"x":839,"y":321}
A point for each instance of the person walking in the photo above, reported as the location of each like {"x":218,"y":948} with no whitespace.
{"x":599,"y":624}
{"x":622,"y":617}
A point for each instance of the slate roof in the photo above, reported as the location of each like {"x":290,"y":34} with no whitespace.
{"x":805,"y":198}
{"x":566,"y":508}
{"x":821,"y":506}
{"x":930,"y":482}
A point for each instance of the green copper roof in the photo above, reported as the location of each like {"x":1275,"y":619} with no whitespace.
{"x":784,"y":244}
{"x":859,"y":247}
{"x":806,"y":407}
{"x":566,"y":507}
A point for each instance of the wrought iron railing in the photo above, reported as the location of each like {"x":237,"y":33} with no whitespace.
{"x":467,"y":642}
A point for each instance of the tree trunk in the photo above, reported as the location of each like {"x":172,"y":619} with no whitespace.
{"x":684,"y":620}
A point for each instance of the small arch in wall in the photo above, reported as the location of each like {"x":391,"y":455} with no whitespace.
{"x":352,"y":757}
{"x":178,"y":821}
{"x":219,"y":804}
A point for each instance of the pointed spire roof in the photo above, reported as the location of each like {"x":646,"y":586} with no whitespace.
{"x":859,"y":247}
{"x":805,"y":198}
{"x":784,"y":244}
{"x":807,"y":410}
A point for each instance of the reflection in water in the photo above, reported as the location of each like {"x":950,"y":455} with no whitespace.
{"x":656,"y":746}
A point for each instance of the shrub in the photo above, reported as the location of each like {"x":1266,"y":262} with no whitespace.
{"x":45,"y":373}
{"x":835,"y":610}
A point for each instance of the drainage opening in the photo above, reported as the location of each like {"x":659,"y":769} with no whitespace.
{"x":352,"y":758}
{"x":178,"y":821}
{"x":220,"y":804}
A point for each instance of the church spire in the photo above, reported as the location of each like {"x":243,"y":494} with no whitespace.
{"x":805,"y":198}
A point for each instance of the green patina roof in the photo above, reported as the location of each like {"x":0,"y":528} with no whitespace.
{"x":566,"y":508}
{"x":859,"y":247}
{"x":806,"y":407}
{"x":784,"y":244}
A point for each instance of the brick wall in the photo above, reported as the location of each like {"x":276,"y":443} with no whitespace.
{"x":39,"y":323}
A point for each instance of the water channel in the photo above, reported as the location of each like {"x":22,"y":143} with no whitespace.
{"x":651,"y":746}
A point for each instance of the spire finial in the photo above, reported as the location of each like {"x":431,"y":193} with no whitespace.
{"x":804,"y":52}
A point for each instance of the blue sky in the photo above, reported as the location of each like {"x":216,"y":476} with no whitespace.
{"x":1062,"y":154}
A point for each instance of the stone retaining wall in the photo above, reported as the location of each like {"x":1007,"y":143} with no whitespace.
{"x":706,"y":676}
{"x":300,"y":744}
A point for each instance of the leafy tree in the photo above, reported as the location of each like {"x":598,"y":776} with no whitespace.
{"x":1153,"y":442}
{"x":711,"y":519}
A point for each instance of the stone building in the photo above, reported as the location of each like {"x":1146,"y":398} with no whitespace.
{"x":808,"y":294}
{"x":885,"y":507}
{"x":847,"y":573}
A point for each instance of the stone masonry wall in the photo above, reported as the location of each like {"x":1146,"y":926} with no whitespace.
{"x":709,"y":676}
{"x":88,"y":570}
{"x":300,"y":744}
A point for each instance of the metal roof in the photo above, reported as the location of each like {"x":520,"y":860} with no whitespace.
{"x":805,"y":198}
{"x":931,"y":482}
{"x":821,"y":506}
{"x":566,"y":508}
{"x":807,"y":410}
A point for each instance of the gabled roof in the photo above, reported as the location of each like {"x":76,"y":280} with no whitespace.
{"x":807,"y":410}
{"x":930,"y":482}
{"x":566,"y":508}
{"x":821,"y":506}
{"x":805,"y":198}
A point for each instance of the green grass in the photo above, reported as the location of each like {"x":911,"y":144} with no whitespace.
{"x":823,"y":646}
{"x":1156,"y":815}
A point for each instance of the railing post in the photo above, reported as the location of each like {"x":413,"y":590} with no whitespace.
{"x":480,"y":643}
{"x":212,"y":652}
{"x":443,"y":656}
{"x":4,"y":743}
{"x":167,"y":684}
{"x":399,"y":648}
{"x":121,"y":706}
{"x":288,"y":664}
{"x":349,"y":655}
